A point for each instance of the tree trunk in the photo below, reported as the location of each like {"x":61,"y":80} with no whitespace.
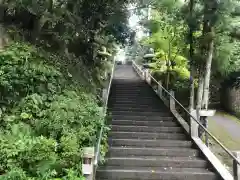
{"x":168,"y":77}
{"x":200,"y":97}
{"x":36,"y":29}
{"x":168,"y":65}
{"x":192,"y":93}
{"x":200,"y":91}
{"x":3,"y":35}
{"x":64,"y":47}
{"x":207,"y":77}
{"x":63,"y":44}
{"x":191,"y":53}
{"x":208,"y":34}
{"x":210,"y":8}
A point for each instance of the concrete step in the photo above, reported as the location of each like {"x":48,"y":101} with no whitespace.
{"x":133,"y":90}
{"x":147,"y":129}
{"x":145,"y":123}
{"x":132,"y":94}
{"x":163,"y":117}
{"x":147,"y":135}
{"x":117,"y":173}
{"x":169,"y":152}
{"x":143,"y":113}
{"x":136,"y":98}
{"x":134,"y":103}
{"x":129,"y":86}
{"x":138,"y":106}
{"x":123,"y":83}
{"x":134,"y":109}
{"x":173,"y":162}
{"x":150,"y":143}
{"x":143,"y":93}
{"x":131,"y":100}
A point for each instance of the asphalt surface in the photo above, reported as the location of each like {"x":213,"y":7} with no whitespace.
{"x":228,"y":123}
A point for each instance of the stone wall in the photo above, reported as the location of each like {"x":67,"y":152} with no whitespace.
{"x":230,"y":100}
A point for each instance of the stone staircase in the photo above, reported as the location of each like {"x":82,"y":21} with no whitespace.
{"x":146,"y":142}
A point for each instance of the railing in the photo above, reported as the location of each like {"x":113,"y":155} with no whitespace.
{"x":192,"y":128}
{"x":105,"y":96}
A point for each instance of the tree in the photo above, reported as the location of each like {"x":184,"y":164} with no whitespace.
{"x":192,"y":28}
{"x":166,"y":37}
{"x":208,"y":40}
{"x":62,"y":24}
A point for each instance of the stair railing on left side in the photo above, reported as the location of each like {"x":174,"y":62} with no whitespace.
{"x":105,"y":96}
{"x":192,"y":129}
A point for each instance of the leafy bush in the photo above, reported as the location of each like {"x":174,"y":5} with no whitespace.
{"x":23,"y":71}
{"x":233,"y":80}
{"x":179,"y":77}
{"x":47,"y":118}
{"x":180,"y":61}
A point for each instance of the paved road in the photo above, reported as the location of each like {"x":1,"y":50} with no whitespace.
{"x":229,"y":123}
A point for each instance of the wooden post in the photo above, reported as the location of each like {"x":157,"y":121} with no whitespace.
{"x":142,"y":73}
{"x":145,"y":75}
{"x":206,"y":114}
{"x":87,"y":165}
{"x":193,"y":124}
{"x":104,"y":95}
{"x":172,"y":101}
{"x":236,"y":166}
{"x":160,"y":90}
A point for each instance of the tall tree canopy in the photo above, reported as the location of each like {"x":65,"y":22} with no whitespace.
{"x":80,"y":27}
{"x":196,"y":36}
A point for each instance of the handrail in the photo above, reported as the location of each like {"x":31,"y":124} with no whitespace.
{"x":199,"y":123}
{"x":97,"y":152}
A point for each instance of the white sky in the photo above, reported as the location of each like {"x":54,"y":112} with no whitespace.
{"x":134,"y":23}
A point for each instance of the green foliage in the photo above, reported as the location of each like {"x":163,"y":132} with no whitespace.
{"x":171,"y":38}
{"x":179,"y":77}
{"x":80,"y":27}
{"x":232,"y":80}
{"x":168,"y":44}
{"x":167,"y":39}
{"x":23,"y":71}
{"x":47,"y":118}
{"x":165,"y":36}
